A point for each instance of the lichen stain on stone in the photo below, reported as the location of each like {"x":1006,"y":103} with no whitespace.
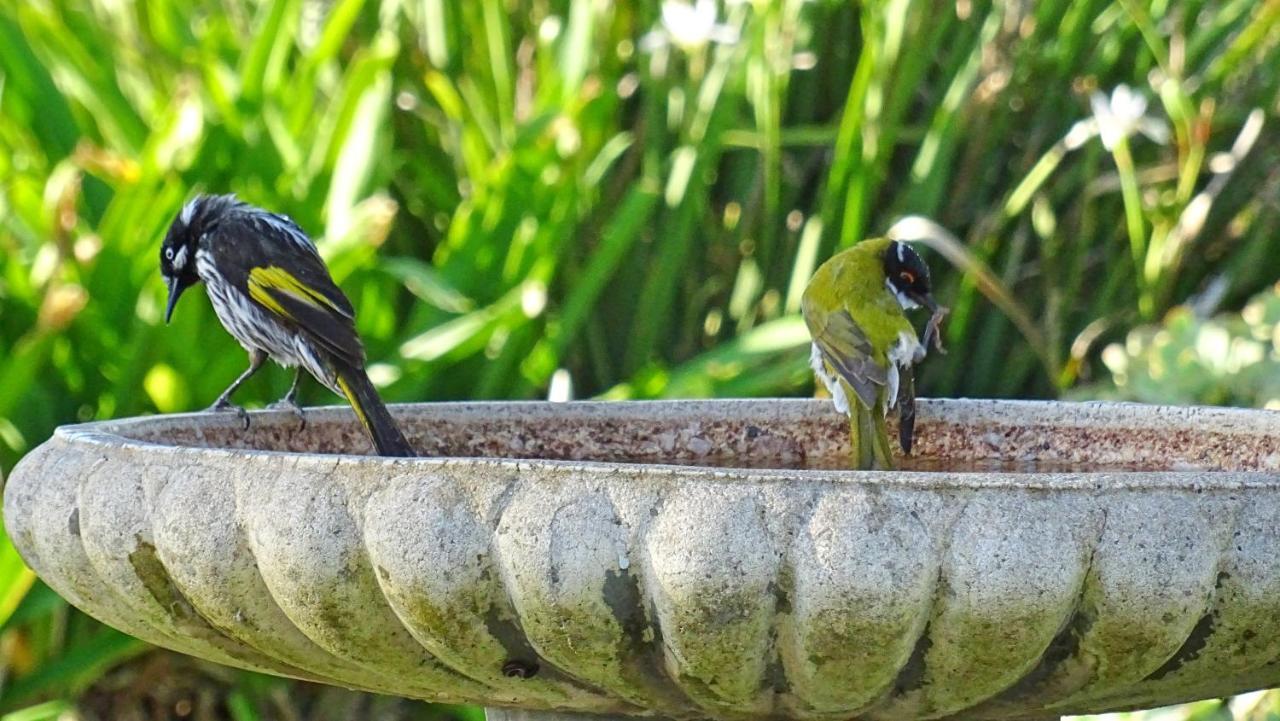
{"x":73,"y":523}
{"x":845,"y":657}
{"x":719,"y":668}
{"x":581,"y":640}
{"x":727,"y":610}
{"x":151,"y":572}
{"x":635,"y":655}
{"x":1190,"y":648}
{"x":481,"y":654}
{"x":453,"y":626}
{"x":995,"y":654}
{"x":708,"y":693}
{"x":1062,"y":667}
{"x":508,"y":634}
{"x":155,"y":578}
{"x":911,"y":677}
{"x":335,"y":616}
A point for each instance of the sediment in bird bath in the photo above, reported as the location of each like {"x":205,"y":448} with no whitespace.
{"x":950,"y":437}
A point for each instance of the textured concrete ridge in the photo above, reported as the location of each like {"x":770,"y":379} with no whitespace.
{"x":1039,"y":569}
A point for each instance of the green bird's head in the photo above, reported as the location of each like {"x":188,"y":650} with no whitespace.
{"x":907,"y":276}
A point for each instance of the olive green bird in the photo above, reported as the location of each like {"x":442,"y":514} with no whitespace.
{"x":864,"y":347}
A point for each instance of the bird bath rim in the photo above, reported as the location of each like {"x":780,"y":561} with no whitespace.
{"x":683,"y":591}
{"x":144,"y":433}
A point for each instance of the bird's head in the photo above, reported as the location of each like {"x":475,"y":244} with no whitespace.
{"x":178,"y":251}
{"x":908,"y":277}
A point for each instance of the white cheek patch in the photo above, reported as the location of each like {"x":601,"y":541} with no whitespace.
{"x":903,"y":300}
{"x":180,"y":258}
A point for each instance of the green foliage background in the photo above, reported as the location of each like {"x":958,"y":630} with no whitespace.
{"x":510,"y":189}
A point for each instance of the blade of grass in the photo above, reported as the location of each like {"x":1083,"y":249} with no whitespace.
{"x":15,"y":578}
{"x":47,"y":711}
{"x":273,"y":32}
{"x":616,"y":242}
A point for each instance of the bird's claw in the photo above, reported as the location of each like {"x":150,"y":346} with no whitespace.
{"x":222,"y":405}
{"x":933,"y":329}
{"x":288,"y":404}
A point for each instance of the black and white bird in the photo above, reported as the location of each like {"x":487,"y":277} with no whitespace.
{"x":273,"y":293}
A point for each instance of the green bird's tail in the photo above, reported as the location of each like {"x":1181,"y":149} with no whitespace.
{"x":869,"y":436}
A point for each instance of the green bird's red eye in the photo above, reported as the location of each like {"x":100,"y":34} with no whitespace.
{"x":907,"y":276}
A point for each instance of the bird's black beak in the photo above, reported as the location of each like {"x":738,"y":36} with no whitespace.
{"x":926,"y":300}
{"x":175,"y":289}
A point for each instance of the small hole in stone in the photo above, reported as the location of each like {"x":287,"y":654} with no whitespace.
{"x":517,"y":668}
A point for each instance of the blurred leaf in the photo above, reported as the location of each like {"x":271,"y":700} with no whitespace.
{"x":274,"y":32}
{"x":428,"y":285}
{"x":48,"y":711}
{"x":76,"y":668}
{"x":15,"y":578}
{"x":464,"y":335}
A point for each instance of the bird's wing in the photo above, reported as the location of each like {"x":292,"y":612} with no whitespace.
{"x":847,"y":350}
{"x":278,"y":268}
{"x":283,"y":241}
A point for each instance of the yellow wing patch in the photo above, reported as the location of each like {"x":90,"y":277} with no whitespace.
{"x":262,"y":281}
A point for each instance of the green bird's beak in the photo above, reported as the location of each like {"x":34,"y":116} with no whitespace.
{"x":175,"y":289}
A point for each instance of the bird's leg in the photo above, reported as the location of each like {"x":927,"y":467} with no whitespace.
{"x":290,"y":400}
{"x":256,"y":359}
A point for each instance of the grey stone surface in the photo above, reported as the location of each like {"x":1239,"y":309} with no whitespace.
{"x":686,"y":559}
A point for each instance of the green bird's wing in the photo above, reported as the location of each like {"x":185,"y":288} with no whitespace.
{"x":849,"y":352}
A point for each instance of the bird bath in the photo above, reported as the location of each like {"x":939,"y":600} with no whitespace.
{"x":686,"y":559}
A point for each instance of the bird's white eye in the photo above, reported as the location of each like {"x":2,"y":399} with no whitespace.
{"x":168,"y":253}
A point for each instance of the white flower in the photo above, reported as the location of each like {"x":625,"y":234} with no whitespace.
{"x":561,"y":387}
{"x":1123,"y":115}
{"x":689,"y":27}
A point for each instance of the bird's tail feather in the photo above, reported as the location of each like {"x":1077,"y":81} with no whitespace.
{"x":906,"y":409}
{"x":869,"y":436}
{"x":373,"y":414}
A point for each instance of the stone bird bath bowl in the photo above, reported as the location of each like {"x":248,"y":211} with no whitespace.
{"x":686,"y":559}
